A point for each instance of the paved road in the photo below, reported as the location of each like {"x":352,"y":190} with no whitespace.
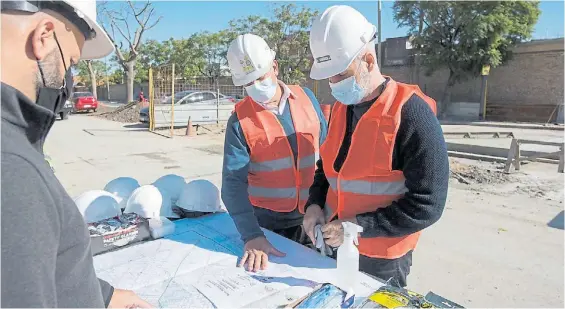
{"x":492,"y":247}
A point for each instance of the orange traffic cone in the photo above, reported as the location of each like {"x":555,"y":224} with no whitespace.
{"x":190,"y":132}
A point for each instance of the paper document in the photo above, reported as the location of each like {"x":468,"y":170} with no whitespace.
{"x":196,"y":267}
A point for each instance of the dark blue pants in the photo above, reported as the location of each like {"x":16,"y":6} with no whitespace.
{"x":394,"y":271}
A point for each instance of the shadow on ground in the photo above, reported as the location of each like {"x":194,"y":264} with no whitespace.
{"x":558,"y":221}
{"x":137,"y":126}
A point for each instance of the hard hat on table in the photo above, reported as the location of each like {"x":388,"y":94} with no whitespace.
{"x":82,"y":13}
{"x":122,"y":188}
{"x":201,"y":196}
{"x":146,"y":201}
{"x":97,"y":205}
{"x":337,"y":36}
{"x":249,"y":58}
{"x":167,"y":204}
{"x":173,"y":184}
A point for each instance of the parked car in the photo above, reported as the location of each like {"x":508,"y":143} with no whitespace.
{"x":200,"y":106}
{"x":84,"y":102}
{"x":67,"y":109}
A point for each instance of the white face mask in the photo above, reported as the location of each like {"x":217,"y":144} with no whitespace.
{"x":262,"y":91}
{"x":349,"y":91}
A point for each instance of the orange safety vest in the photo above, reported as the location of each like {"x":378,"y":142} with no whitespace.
{"x":326,"y":110}
{"x":276,"y":182}
{"x":366,"y":180}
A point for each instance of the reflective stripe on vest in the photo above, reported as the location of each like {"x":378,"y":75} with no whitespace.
{"x":276,"y":182}
{"x":272,"y":165}
{"x":369,"y":188}
{"x":366,"y":180}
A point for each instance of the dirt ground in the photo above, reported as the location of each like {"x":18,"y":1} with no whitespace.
{"x":499,"y":243}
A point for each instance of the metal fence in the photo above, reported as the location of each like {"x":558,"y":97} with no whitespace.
{"x":174,"y":101}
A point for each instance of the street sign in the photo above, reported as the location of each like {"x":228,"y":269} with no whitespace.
{"x":485,"y":70}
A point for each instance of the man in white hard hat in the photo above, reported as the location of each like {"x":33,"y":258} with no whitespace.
{"x":46,"y":255}
{"x":384,"y":164}
{"x":271,"y":147}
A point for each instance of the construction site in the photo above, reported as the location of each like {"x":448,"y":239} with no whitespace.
{"x":498,"y":244}
{"x":275,"y":155}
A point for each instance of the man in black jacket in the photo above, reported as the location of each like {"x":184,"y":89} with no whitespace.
{"x":46,"y":257}
{"x":406,"y":191}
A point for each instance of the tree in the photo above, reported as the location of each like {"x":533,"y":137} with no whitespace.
{"x":93,"y":70}
{"x":465,"y":35}
{"x":209,"y":54}
{"x":287,"y":34}
{"x":117,"y":77}
{"x":142,"y":18}
{"x":183,"y":53}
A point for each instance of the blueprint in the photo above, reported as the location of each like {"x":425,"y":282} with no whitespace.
{"x":196,"y":268}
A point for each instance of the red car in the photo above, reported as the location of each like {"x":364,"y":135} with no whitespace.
{"x":84,"y":102}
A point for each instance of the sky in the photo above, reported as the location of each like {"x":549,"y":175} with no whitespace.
{"x":183,"y":18}
{"x":180,"y":19}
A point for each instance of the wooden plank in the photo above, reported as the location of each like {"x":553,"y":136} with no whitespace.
{"x":511,"y":154}
{"x":529,"y":141}
{"x":480,"y":134}
{"x":561,"y":159}
{"x":540,"y":155}
{"x":517,"y":156}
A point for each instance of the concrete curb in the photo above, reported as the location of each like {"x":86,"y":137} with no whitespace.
{"x":506,"y":125}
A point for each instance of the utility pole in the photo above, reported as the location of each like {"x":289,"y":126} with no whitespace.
{"x":379,"y":46}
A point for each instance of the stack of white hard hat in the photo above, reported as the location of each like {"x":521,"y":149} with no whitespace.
{"x":170,"y":187}
{"x":337,"y":36}
{"x":200,"y":195}
{"x":167,"y":205}
{"x":171,"y":183}
{"x":97,"y":205}
{"x":122,"y":188}
{"x":145,"y":201}
{"x":249,"y":58}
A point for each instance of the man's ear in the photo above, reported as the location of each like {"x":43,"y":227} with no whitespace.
{"x":276,"y":67}
{"x":42,"y":39}
{"x":371,"y":61}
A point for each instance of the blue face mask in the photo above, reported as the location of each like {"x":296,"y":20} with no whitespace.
{"x":348,"y":91}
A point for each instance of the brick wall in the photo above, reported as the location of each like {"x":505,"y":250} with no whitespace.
{"x":527,"y":88}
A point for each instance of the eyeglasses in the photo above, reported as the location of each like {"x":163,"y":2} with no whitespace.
{"x":60,"y":7}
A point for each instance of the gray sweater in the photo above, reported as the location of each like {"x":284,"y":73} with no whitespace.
{"x":46,"y":257}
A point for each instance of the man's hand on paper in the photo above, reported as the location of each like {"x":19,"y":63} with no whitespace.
{"x":127,"y":299}
{"x":333,"y":231}
{"x":257,"y":253}
{"x":313,"y":216}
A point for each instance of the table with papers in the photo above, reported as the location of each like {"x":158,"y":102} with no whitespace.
{"x":195,"y":267}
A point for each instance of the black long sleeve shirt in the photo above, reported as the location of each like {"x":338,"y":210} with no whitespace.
{"x":420,"y":152}
{"x":46,"y":256}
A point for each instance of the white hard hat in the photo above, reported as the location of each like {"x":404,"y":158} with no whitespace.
{"x":336,"y":38}
{"x":97,"y":205}
{"x":145,"y":201}
{"x":171,"y":183}
{"x":249,"y":58}
{"x":200,"y":195}
{"x":100,"y":46}
{"x":82,"y":13}
{"x":122,"y":188}
{"x":167,"y":204}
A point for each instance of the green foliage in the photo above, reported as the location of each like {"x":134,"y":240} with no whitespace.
{"x":99,"y":70}
{"x":465,"y":35}
{"x":287,"y":34}
{"x":117,"y":76}
{"x":204,"y":53}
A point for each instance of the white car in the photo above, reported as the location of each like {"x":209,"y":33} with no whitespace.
{"x":201,"y":106}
